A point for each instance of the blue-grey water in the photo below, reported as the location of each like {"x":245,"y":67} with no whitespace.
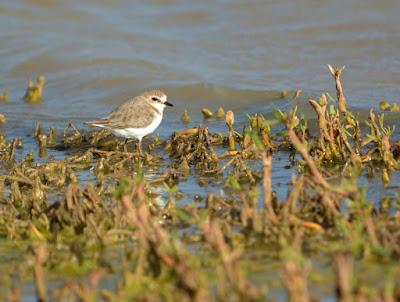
{"x":238,"y":54}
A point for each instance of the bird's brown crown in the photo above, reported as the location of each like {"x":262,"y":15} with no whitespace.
{"x":154,"y":92}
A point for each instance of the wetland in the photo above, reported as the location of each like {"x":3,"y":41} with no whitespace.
{"x":274,"y":178}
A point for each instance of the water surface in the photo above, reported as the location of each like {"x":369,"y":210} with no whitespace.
{"x":239,"y":54}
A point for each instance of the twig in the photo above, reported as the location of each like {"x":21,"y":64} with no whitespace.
{"x":267,"y":163}
{"x":40,"y":283}
{"x":343,"y":263}
{"x":187,"y":132}
{"x":336,"y":73}
{"x":317,"y":176}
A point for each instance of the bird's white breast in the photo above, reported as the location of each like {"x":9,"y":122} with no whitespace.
{"x":139,"y":133}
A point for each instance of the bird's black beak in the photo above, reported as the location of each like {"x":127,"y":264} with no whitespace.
{"x":168,"y":104}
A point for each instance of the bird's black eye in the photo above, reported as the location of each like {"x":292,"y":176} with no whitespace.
{"x":155,"y":98}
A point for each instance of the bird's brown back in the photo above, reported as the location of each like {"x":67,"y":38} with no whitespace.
{"x":135,"y":113}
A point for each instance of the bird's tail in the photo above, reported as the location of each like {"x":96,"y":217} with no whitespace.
{"x":96,"y":123}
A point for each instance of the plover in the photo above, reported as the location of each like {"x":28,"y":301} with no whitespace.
{"x":137,"y":117}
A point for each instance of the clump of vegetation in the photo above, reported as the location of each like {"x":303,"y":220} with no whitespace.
{"x":220,"y":113}
{"x":284,"y":94}
{"x":385,"y":106}
{"x":4,"y":96}
{"x":297,"y":93}
{"x":34,"y":92}
{"x":207,"y":113}
{"x":115,"y":238}
{"x":185,"y":118}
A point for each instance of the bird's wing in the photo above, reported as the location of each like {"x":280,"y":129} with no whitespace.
{"x":135,"y":113}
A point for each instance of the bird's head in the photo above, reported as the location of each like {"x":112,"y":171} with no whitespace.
{"x":157,"y":99}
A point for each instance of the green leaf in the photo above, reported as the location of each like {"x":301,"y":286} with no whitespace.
{"x":184,"y":216}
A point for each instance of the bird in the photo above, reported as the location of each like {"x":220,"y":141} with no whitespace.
{"x":136,"y":118}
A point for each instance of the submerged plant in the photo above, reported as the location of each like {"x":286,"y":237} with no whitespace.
{"x":185,"y":118}
{"x":34,"y":92}
{"x":229,"y":120}
{"x":207,"y":113}
{"x":2,"y":119}
{"x":220,"y":113}
{"x":4,"y":96}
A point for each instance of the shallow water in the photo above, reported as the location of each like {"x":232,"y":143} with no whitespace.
{"x":239,"y":54}
{"x":95,"y":54}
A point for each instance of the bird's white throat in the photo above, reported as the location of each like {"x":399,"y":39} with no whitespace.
{"x":159,"y":107}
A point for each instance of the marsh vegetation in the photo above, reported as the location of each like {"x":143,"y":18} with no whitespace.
{"x":123,"y":232}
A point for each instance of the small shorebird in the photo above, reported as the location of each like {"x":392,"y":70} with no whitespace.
{"x":137,"y":117}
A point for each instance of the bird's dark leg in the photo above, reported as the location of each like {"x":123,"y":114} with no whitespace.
{"x":126,"y":145}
